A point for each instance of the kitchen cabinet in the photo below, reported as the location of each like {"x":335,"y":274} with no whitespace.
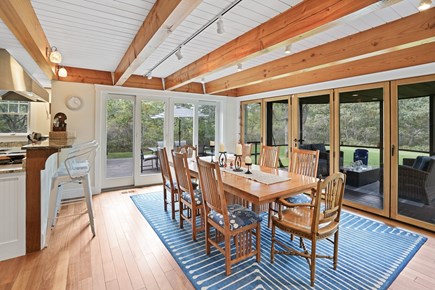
{"x":12,"y":214}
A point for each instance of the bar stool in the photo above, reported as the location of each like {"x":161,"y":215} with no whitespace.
{"x":75,"y":168}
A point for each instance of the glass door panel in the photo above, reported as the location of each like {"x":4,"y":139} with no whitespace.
{"x":251,"y":127}
{"x":152,"y":135}
{"x":206,"y":128}
{"x":416,"y":147}
{"x":183,"y":124}
{"x":361,"y":143}
{"x":313,"y":119}
{"x":119,"y":136}
{"x":277,"y":127}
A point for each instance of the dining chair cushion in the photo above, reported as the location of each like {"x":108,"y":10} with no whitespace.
{"x":239,"y":217}
{"x":299,"y":198}
{"x":197,"y":195}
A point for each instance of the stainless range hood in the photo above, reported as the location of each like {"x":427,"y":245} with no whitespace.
{"x":16,"y":84}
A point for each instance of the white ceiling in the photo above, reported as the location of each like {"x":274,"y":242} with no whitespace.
{"x":95,"y":34}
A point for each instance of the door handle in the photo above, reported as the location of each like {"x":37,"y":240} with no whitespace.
{"x":392,"y":150}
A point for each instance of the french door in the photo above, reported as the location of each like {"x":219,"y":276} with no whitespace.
{"x":251,"y":126}
{"x":413,"y":151}
{"x":362,"y":145}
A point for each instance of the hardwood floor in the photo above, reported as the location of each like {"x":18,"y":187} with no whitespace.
{"x":127,"y":254}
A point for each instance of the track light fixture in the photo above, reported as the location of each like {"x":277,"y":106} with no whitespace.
{"x":149,"y":75}
{"x":239,"y":67}
{"x":178,"y":54}
{"x":424,"y":5}
{"x":288,"y":49}
{"x":62,"y":72}
{"x":55,"y":55}
{"x":220,"y":25}
{"x":203,"y":80}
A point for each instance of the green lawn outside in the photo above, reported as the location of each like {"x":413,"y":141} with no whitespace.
{"x":374,"y":155}
{"x":115,"y":155}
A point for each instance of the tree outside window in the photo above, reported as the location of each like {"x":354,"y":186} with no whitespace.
{"x":14,"y":117}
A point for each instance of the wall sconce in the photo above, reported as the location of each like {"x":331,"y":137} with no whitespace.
{"x":62,"y":72}
{"x":55,"y":55}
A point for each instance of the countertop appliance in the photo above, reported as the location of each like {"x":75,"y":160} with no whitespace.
{"x":13,"y":155}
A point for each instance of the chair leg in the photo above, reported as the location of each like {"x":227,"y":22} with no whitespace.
{"x":313,"y":261}
{"x":207,"y":237}
{"x":52,"y":205}
{"x":193,"y":220}
{"x":335,"y":259}
{"x":272,"y":247}
{"x":181,"y":213}
{"x":269,"y":216}
{"x":173,"y":204}
{"x":257,"y":240}
{"x":227,"y":255}
{"x":88,"y":197}
{"x":165,"y":198}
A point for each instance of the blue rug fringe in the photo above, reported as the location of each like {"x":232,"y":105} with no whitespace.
{"x":371,"y":255}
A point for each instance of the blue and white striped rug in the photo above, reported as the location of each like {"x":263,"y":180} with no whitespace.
{"x":371,"y":255}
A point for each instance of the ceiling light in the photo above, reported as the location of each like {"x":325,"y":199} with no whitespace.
{"x":55,"y":56}
{"x":149,"y":75}
{"x":62,"y":72}
{"x":239,"y":67}
{"x":288,"y":49}
{"x":178,"y":54}
{"x":203,"y":80}
{"x":220,"y":25}
{"x":424,"y":5}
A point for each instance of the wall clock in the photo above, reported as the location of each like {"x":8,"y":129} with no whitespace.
{"x":74,"y":102}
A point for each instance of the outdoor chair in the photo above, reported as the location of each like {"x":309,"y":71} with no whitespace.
{"x":302,"y":162}
{"x":417,"y":183}
{"x":190,"y":201}
{"x":361,"y":154}
{"x":312,"y":221}
{"x":269,"y":156}
{"x":152,"y":158}
{"x":169,"y":184}
{"x":230,"y":222}
{"x":75,"y":169}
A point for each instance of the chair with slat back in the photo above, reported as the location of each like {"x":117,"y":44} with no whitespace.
{"x":313,"y":222}
{"x":269,"y":156}
{"x":169,"y":184}
{"x":231,"y":222}
{"x":192,"y":151}
{"x":302,"y":162}
{"x":190,"y":201}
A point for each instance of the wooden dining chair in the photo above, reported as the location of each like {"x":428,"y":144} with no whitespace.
{"x":303,"y":162}
{"x":269,"y":156}
{"x":230,"y":222}
{"x":313,"y":222}
{"x":190,"y":201}
{"x":169,"y":184}
{"x":192,"y":151}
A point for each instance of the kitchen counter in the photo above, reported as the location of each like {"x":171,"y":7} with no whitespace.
{"x":36,"y":156}
{"x":11,"y":168}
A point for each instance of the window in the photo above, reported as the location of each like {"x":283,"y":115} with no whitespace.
{"x":14,"y":117}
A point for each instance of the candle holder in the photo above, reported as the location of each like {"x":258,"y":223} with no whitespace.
{"x":212,"y":152}
{"x":249,"y":167}
{"x":222,"y":158}
{"x":238,"y":163}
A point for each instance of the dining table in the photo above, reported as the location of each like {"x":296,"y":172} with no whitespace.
{"x":241,"y":188}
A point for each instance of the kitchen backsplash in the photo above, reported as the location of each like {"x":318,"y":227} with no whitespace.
{"x":12,"y":144}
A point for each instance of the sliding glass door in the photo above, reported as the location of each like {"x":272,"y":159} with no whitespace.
{"x":251,"y":127}
{"x":363,"y":124}
{"x":413,"y":161}
{"x":312,"y":117}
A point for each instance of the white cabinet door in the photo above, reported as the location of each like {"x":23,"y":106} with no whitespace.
{"x":12,"y":215}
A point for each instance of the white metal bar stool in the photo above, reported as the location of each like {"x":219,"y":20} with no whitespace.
{"x":76,"y":168}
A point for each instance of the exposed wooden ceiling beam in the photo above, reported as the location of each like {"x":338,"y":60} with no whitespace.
{"x":165,"y":15}
{"x":136,"y":81}
{"x":306,"y":16}
{"x":403,"y":33}
{"x":394,"y":60}
{"x":21,"y":19}
{"x":87,"y":76}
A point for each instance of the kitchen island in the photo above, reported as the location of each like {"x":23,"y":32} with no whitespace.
{"x":37,"y":190}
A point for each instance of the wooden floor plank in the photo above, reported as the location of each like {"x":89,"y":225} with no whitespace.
{"x":127,"y":254}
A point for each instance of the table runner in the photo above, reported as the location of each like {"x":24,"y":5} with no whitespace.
{"x":262,"y":177}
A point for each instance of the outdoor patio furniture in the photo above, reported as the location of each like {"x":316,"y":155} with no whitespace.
{"x":358,"y":178}
{"x":150,"y":158}
{"x":324,"y":160}
{"x":361,"y":154}
{"x":417,"y":183}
